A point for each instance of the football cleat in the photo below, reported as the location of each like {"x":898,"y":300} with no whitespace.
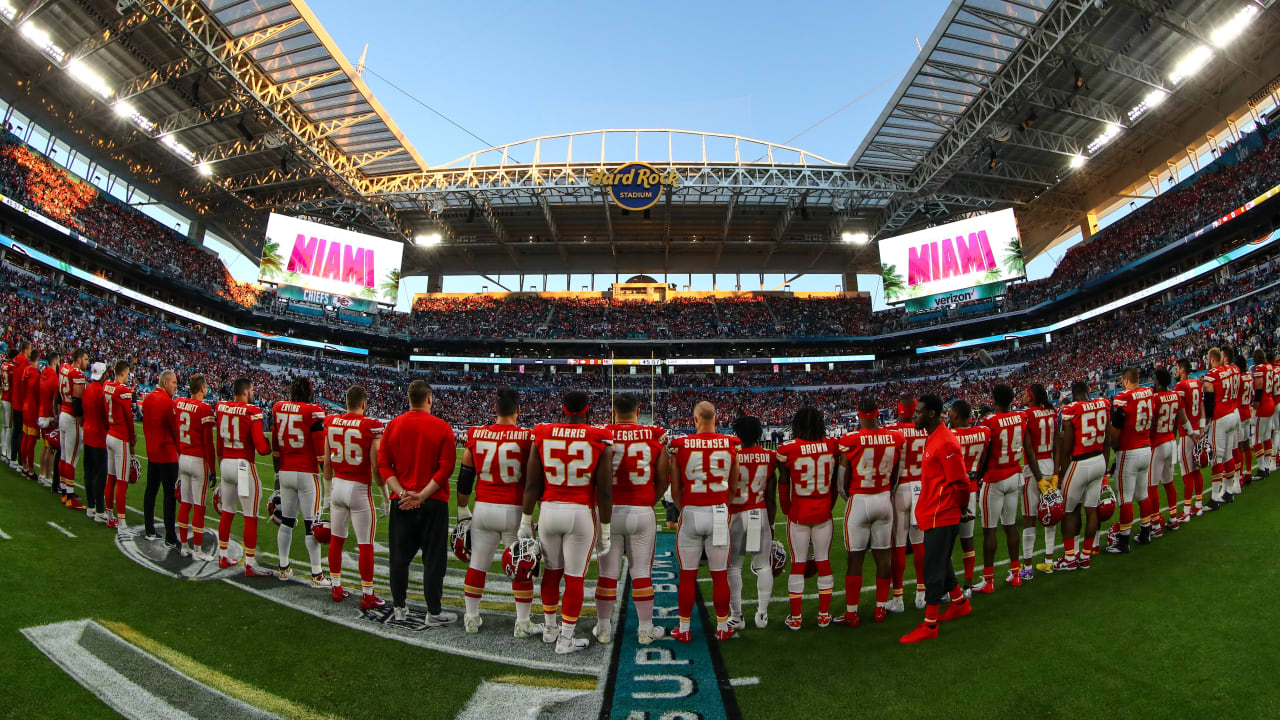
{"x":340,"y":593}
{"x":922,"y":632}
{"x":852,"y":620}
{"x":550,"y":632}
{"x":186,"y":550}
{"x":321,"y":580}
{"x":565,"y":645}
{"x":726,"y":634}
{"x":1229,"y":498}
{"x":1210,"y":505}
{"x":1014,"y":578}
{"x":1047,"y":566}
{"x":441,"y":618}
{"x":73,"y":502}
{"x":793,"y":622}
{"x":919,"y":599}
{"x":985,"y":587}
{"x":225,"y":562}
{"x":824,"y":620}
{"x":968,"y":591}
{"x":895,"y":605}
{"x":880,"y":614}
{"x":762,"y":620}
{"x":89,"y":513}
{"x":1028,"y":572}
{"x":735,"y":621}
{"x":285,"y":573}
{"x":102,"y":518}
{"x":253,"y":571}
{"x":1144,"y":535}
{"x":644,"y":635}
{"x":1064,"y":564}
{"x":201,"y":555}
{"x":526,"y":628}
{"x":400,"y":614}
{"x":112,"y":522}
{"x":1175,"y":523}
{"x":956,"y":610}
{"x":603,"y":632}
{"x":682,"y":636}
{"x":472,"y":623}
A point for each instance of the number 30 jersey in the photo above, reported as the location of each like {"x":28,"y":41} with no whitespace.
{"x":569,"y":455}
{"x":636,"y":449}
{"x":810,"y":471}
{"x":499,"y":453}
{"x":705,"y":461}
{"x":350,"y":438}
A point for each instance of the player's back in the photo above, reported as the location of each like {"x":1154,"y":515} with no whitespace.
{"x":1166,"y":417}
{"x":6,"y":381}
{"x":48,"y":390}
{"x":69,"y":380}
{"x":119,"y":401}
{"x":350,"y":438}
{"x":1041,"y":424}
{"x":295,"y":427}
{"x":1138,"y":406}
{"x":636,"y":449}
{"x":1190,"y":400}
{"x":1005,"y":458}
{"x":1089,"y":420}
{"x":239,"y":425}
{"x":972,"y":441}
{"x":570,"y":453}
{"x":705,"y":461}
{"x":755,"y":465}
{"x":499,"y":453}
{"x":193,"y":418}
{"x":912,"y":462}
{"x":872,"y":455}
{"x":810,"y":466}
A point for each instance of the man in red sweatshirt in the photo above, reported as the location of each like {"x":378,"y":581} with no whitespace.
{"x":161,"y":434}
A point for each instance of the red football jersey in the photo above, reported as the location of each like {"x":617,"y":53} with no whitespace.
{"x":1166,"y":417}
{"x":1262,"y":384}
{"x":350,"y":440}
{"x":1273,"y":385}
{"x":755,"y":465}
{"x":1191,"y":402}
{"x":499,"y":453}
{"x":17,"y":390}
{"x":705,"y":462}
{"x":70,"y":379}
{"x":195,"y":429}
{"x":1139,"y":406}
{"x":973,"y":440}
{"x":1041,"y":424}
{"x":809,"y":469}
{"x":570,"y":454}
{"x":6,"y":381}
{"x":1089,"y":419}
{"x":299,"y":435}
{"x":94,"y":405}
{"x":872,"y":455}
{"x":119,"y":400}
{"x":30,"y":394}
{"x":1237,"y":398}
{"x":912,"y":463}
{"x":1220,"y":382}
{"x":240,"y":431}
{"x":636,"y":449}
{"x":1005,"y":458}
{"x":48,"y":392}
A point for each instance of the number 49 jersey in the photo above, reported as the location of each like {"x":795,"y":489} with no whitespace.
{"x":810,"y":468}
{"x":705,"y":461}
{"x":636,"y":449}
{"x":499,"y":453}
{"x":569,"y":455}
{"x":350,"y":439}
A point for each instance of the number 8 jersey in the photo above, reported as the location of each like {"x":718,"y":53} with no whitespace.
{"x":704,"y":461}
{"x":569,"y":455}
{"x":499,"y":453}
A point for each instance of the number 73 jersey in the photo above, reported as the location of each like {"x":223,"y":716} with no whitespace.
{"x":705,"y":462}
{"x":569,"y":455}
{"x":499,"y":453}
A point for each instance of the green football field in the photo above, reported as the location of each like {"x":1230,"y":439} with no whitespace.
{"x":1182,"y":626}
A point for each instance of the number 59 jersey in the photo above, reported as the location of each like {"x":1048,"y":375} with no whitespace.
{"x":350,"y":438}
{"x":1089,"y":419}
{"x":499,"y":453}
{"x":636,"y":449}
{"x":569,"y":455}
{"x":810,"y":469}
{"x":705,"y":461}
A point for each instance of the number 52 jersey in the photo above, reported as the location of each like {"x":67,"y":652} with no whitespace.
{"x":569,"y":455}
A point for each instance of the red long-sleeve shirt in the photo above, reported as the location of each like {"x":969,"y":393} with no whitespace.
{"x":94,"y":405}
{"x":158,"y":428}
{"x":418,"y":447}
{"x":944,"y":486}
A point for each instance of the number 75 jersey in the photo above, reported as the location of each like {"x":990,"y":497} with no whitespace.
{"x":569,"y":455}
{"x":499,"y":453}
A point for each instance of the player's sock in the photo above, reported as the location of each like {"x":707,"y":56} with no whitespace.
{"x":1069,"y":547}
{"x":735,"y":589}
{"x":687,"y":591}
{"x":642,"y":596}
{"x":284,"y":543}
{"x":551,"y":595}
{"x":882,"y":591}
{"x":313,"y":552}
{"x":197,"y":526}
{"x":764,"y":588}
{"x":1248,"y":460}
{"x":720,"y":597}
{"x":931,"y":615}
{"x":1050,"y":543}
{"x":572,"y":606}
{"x":473,"y":590}
{"x":956,"y":594}
{"x":122,"y":492}
{"x":366,"y":568}
{"x":251,"y":540}
{"x":1028,"y":544}
{"x":899,"y":568}
{"x":970,"y":559}
{"x":606,"y":596}
{"x":335,"y":558}
{"x":184,"y":511}
{"x":1171,"y":493}
{"x":1015,"y":566}
{"x":523,"y":592}
{"x":917,"y":557}
{"x":988,"y":574}
{"x":852,"y":592}
{"x":109,"y":495}
{"x":1126,"y":518}
{"x":826,"y":583}
{"x":795,"y":588}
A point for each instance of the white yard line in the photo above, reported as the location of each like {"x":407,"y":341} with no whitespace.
{"x":61,"y":529}
{"x":4,"y":535}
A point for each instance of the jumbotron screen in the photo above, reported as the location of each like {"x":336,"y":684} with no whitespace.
{"x":978,"y":251}
{"x":330,"y":260}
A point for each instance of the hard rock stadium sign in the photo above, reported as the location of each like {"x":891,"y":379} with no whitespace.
{"x":635,"y":185}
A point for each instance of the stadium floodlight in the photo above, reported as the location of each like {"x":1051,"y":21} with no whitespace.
{"x":124,"y":109}
{"x":1078,"y":161}
{"x":856,"y":238}
{"x":425,"y":239}
{"x":88,"y":78}
{"x":204,"y":169}
{"x":1191,"y":63}
{"x":40,"y":38}
{"x":1111,"y":131}
{"x":1232,"y":28}
{"x":7,"y":10}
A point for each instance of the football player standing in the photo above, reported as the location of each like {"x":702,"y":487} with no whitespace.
{"x":752,"y":509}
{"x":6,"y":404}
{"x":973,"y":443}
{"x":570,"y":471}
{"x":299,"y":452}
{"x":1132,"y":414}
{"x":1191,"y":405}
{"x":71,"y":385}
{"x":47,"y":413}
{"x":1168,"y":417}
{"x":1001,"y":471}
{"x":1219,"y":385}
{"x":240,"y":441}
{"x":196,"y":460}
{"x":1081,"y":462}
{"x":1264,"y":409}
{"x":868,"y":472}
{"x":806,"y":492}
{"x":904,"y":499}
{"x":352,"y":439}
{"x":1037,"y":477}
{"x":705,"y":463}
{"x":121,"y":439}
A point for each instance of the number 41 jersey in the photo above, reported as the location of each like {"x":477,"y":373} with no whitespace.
{"x":569,"y":455}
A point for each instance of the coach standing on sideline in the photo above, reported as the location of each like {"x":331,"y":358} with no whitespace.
{"x":94,"y":404}
{"x":19,"y":393}
{"x":944,"y":494}
{"x":416,"y":459}
{"x":161,"y":434}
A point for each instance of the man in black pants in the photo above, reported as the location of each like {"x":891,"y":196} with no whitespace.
{"x":161,"y":433}
{"x":943,"y":502}
{"x":416,"y":459}
{"x":94,"y":406}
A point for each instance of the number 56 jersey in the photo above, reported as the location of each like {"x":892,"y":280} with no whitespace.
{"x":350,"y":439}
{"x":569,"y":455}
{"x":499,"y":453}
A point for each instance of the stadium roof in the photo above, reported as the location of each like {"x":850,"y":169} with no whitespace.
{"x":1003,"y":96}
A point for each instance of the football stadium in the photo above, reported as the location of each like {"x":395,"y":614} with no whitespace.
{"x":304,"y":419}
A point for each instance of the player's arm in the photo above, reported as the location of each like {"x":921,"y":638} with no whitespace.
{"x":374,"y":447}
{"x":1116,"y":428}
{"x":1066,"y":441}
{"x":1209,"y":397}
{"x":604,"y":485}
{"x":677,"y":483}
{"x":662,"y":474}
{"x":1029,"y":453}
{"x":1259,"y":387}
{"x":466,"y":482}
{"x":784,"y":489}
{"x":77,"y":402}
{"x":986,"y":455}
{"x":771,"y":494}
{"x":209,"y":442}
{"x":277,"y":441}
{"x":842,"y":475}
{"x":534,"y":481}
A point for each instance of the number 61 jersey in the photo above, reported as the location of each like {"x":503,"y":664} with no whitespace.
{"x":569,"y":455}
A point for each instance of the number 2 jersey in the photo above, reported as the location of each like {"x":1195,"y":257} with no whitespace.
{"x":810,"y":469}
{"x":194,"y":419}
{"x":499,"y":453}
{"x":704,"y":461}
{"x":636,"y":449}
{"x":299,"y":435}
{"x":569,"y":455}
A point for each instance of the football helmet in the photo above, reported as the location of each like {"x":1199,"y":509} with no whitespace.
{"x":320,"y":531}
{"x":1204,"y":452}
{"x":54,"y":438}
{"x":1051,"y":508}
{"x":1106,"y":502}
{"x":778,"y":558}
{"x":811,"y":566}
{"x":135,"y":470}
{"x":522,"y":560}
{"x":461,"y":540}
{"x":273,"y":508}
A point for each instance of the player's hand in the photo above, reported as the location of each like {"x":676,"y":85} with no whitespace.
{"x":526,"y":527}
{"x":463,"y":513}
{"x":1043,"y":486}
{"x":409,"y":501}
{"x":1053,"y":482}
{"x":605,"y":542}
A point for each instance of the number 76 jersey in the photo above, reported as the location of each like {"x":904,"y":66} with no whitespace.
{"x":499,"y":453}
{"x":569,"y":455}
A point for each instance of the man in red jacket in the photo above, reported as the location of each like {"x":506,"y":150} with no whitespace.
{"x":944,"y":498}
{"x":95,"y":444}
{"x":161,"y":435}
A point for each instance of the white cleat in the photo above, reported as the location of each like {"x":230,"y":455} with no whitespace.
{"x":550,"y":632}
{"x":565,"y":645}
{"x":762,"y":620}
{"x":736,"y":623}
{"x":647,"y":635}
{"x":321,"y":580}
{"x":285,"y":573}
{"x":89,"y":513}
{"x":186,"y":551}
{"x":472,"y":623}
{"x":101,"y":517}
{"x":919,"y":600}
{"x":201,"y":555}
{"x":401,"y":614}
{"x":527,"y":628}
{"x":895,"y":605}
{"x":603,"y":632}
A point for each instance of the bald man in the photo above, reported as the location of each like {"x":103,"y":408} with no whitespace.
{"x":161,"y":434}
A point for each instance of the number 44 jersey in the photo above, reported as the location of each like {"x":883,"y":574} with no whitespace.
{"x":569,"y":455}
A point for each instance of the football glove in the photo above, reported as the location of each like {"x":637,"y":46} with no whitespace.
{"x":1043,"y":485}
{"x":606,"y":540}
{"x":45,"y":423}
{"x":526,"y":527}
{"x":1053,"y":482}
{"x":463,"y":513}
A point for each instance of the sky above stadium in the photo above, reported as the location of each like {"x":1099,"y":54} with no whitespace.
{"x":814,"y":75}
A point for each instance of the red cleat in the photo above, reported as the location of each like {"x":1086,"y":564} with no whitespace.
{"x":73,"y":502}
{"x":1015,"y":579}
{"x":683,"y":636}
{"x":922,"y":632}
{"x":225,"y":562}
{"x":370,"y":601}
{"x":1082,"y":562}
{"x":986,"y":587}
{"x":113,"y":523}
{"x":956,"y":610}
{"x":340,"y":593}
{"x":253,"y":571}
{"x":725,"y":634}
{"x":881,"y":614}
{"x":851,"y":619}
